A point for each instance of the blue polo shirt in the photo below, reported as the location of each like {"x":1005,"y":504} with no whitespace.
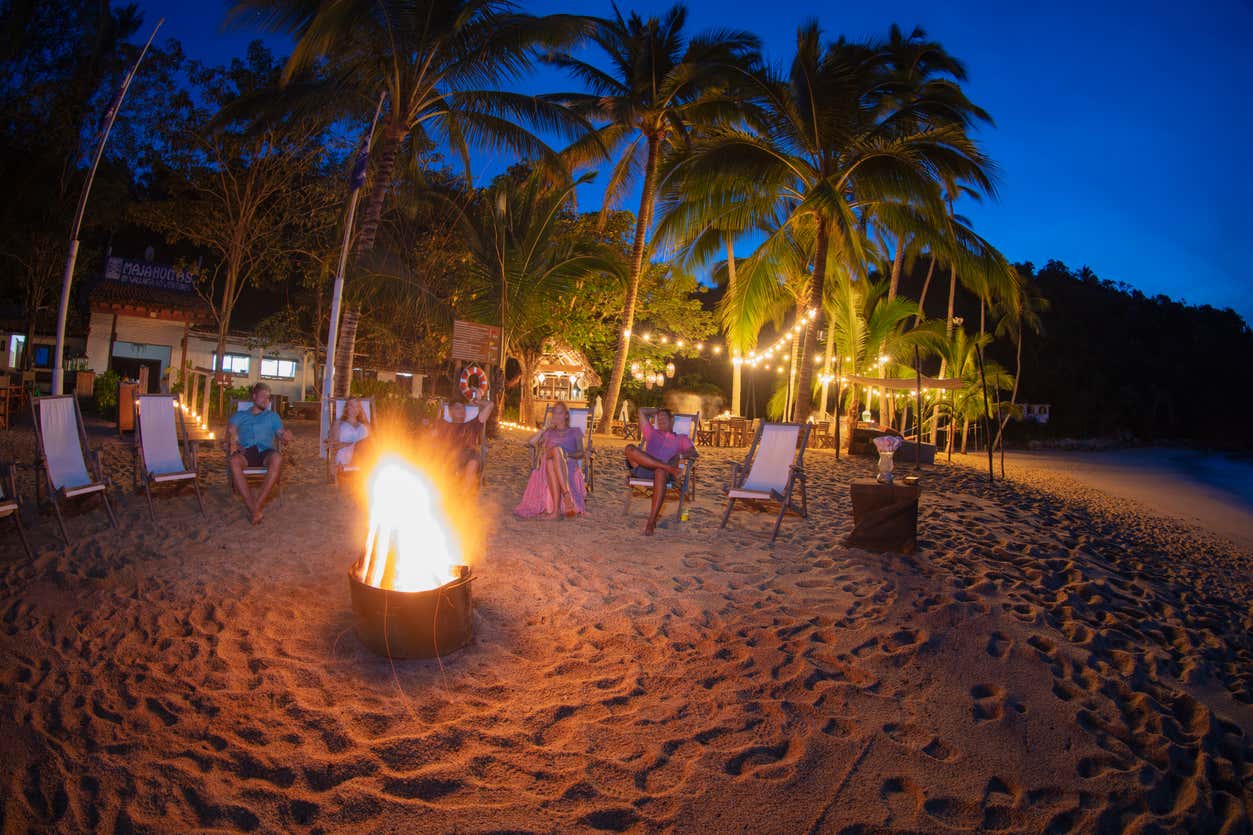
{"x":256,"y":429}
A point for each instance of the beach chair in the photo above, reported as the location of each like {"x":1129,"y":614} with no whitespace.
{"x":580,"y":418}
{"x":684,"y":424}
{"x":159,"y":431}
{"x":72,"y":469}
{"x":472,"y":413}
{"x":252,"y":473}
{"x":333,"y":470}
{"x":775,"y":464}
{"x":10,"y":504}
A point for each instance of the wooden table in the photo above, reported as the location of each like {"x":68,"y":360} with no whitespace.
{"x":885,"y":516}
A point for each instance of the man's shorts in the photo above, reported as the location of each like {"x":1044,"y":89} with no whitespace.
{"x":647,"y":473}
{"x":254,"y":456}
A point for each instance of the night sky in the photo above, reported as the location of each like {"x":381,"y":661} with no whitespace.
{"x":1123,"y":132}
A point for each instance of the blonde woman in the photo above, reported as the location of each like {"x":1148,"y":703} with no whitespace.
{"x":556,"y":486}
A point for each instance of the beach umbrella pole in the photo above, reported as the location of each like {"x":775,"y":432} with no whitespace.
{"x":337,"y":294}
{"x":67,"y":277}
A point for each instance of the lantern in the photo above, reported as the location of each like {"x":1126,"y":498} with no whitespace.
{"x":669,"y":369}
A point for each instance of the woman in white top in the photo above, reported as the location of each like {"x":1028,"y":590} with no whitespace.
{"x":350,"y":432}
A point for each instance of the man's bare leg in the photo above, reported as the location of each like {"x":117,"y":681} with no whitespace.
{"x":659,"y":496}
{"x":274,"y":463}
{"x":640,"y":458}
{"x":236,"y":464}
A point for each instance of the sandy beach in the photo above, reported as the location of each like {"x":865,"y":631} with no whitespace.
{"x":1053,"y":659}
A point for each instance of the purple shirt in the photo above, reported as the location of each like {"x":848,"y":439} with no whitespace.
{"x":664,"y":445}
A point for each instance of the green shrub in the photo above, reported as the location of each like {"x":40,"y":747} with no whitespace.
{"x":105,"y":393}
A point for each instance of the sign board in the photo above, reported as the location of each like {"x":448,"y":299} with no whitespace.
{"x":475,"y":343}
{"x":146,"y":274}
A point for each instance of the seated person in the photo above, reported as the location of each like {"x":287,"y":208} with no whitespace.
{"x":459,"y":439}
{"x":558,"y":479}
{"x":251,"y":437}
{"x":659,"y":458}
{"x":350,"y":435}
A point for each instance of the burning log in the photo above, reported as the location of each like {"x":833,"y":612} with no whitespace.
{"x":410,"y":589}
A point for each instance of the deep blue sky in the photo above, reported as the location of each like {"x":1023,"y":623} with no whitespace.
{"x":1123,"y":130}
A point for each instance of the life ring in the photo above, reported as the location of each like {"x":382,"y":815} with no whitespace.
{"x":473,"y":392}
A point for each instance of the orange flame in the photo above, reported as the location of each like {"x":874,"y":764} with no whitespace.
{"x":412,"y":544}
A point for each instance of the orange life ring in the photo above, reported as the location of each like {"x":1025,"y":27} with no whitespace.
{"x":474,"y":392}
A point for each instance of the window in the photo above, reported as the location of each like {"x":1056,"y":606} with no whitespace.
{"x":16,"y":343}
{"x":276,"y":369}
{"x":234,"y":363}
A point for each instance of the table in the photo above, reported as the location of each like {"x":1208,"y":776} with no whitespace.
{"x":885,"y":516}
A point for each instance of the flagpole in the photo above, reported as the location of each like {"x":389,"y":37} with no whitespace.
{"x":63,"y":309}
{"x":337,"y":295}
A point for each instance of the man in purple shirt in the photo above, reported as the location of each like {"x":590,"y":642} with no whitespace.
{"x":659,"y":458}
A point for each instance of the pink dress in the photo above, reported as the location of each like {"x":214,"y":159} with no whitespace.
{"x":535,"y":499}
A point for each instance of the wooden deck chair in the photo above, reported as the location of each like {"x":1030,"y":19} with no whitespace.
{"x":72,"y":469}
{"x":684,"y":424}
{"x":472,"y":413}
{"x":333,"y":469}
{"x":774,"y":465}
{"x":580,"y":418}
{"x":10,"y":504}
{"x":159,"y":431}
{"x":252,"y":473}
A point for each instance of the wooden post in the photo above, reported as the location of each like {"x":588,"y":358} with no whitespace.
{"x":182,"y":363}
{"x":918,"y":398}
{"x":108,"y":362}
{"x":204,"y":401}
{"x":987,"y":417}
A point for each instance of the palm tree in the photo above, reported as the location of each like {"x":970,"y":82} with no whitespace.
{"x":960,"y":351}
{"x":1022,"y":315}
{"x":844,"y":139}
{"x":523,"y":266}
{"x":441,"y":63}
{"x":661,"y":85}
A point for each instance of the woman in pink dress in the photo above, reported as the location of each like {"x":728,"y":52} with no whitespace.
{"x":556,"y":484}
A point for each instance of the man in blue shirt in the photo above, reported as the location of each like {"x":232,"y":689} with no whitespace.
{"x":252,"y":436}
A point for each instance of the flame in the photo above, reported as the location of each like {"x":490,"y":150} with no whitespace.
{"x":412,"y":545}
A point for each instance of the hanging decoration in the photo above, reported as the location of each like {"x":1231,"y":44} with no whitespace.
{"x":780,"y":346}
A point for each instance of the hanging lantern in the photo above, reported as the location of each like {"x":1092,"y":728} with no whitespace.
{"x":669,"y":369}
{"x":635,"y":368}
{"x":638,"y":375}
{"x":648,"y":382}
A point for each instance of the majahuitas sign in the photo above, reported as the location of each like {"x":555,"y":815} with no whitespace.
{"x":147,"y":274}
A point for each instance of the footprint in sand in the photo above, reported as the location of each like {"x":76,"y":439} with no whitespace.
{"x":999,"y":645}
{"x":991,"y":702}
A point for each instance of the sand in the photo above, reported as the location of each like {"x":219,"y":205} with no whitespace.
{"x":1048,"y":661}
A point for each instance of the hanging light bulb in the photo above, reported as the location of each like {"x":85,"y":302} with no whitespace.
{"x":717,"y":349}
{"x":678,"y":343}
{"x":665,"y":340}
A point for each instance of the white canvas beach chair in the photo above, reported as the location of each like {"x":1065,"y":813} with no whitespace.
{"x":774,"y":465}
{"x":72,"y":469}
{"x":10,"y":505}
{"x":683,"y":424}
{"x":253,"y":473}
{"x":333,"y":468}
{"x":472,"y":413}
{"x":159,"y":432}
{"x":580,"y":418}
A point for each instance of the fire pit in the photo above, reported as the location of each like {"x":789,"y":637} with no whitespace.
{"x":410,"y":589}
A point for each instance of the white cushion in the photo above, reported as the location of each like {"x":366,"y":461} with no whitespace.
{"x":161,"y":477}
{"x":741,"y":493}
{"x":58,"y":423}
{"x":71,"y":492}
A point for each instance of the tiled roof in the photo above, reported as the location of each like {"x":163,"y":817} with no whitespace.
{"x":122,"y":297}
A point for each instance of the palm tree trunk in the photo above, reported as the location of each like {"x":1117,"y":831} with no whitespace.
{"x":388,"y":151}
{"x":952,"y":297}
{"x":736,"y":369}
{"x":525,"y":398}
{"x":817,"y":293}
{"x":826,"y":366}
{"x":965,"y":433}
{"x":642,"y":222}
{"x":897,"y":261}
{"x":922,"y":297}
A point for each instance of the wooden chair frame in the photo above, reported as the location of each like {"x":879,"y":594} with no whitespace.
{"x":11,"y":503}
{"x":796,"y":475}
{"x":91,"y":461}
{"x":588,"y":462}
{"x":251,"y":473}
{"x":686,"y":487}
{"x":333,"y":470}
{"x":187,"y":452}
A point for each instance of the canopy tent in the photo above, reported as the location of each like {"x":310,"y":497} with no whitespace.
{"x":905,"y":383}
{"x":561,"y":359}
